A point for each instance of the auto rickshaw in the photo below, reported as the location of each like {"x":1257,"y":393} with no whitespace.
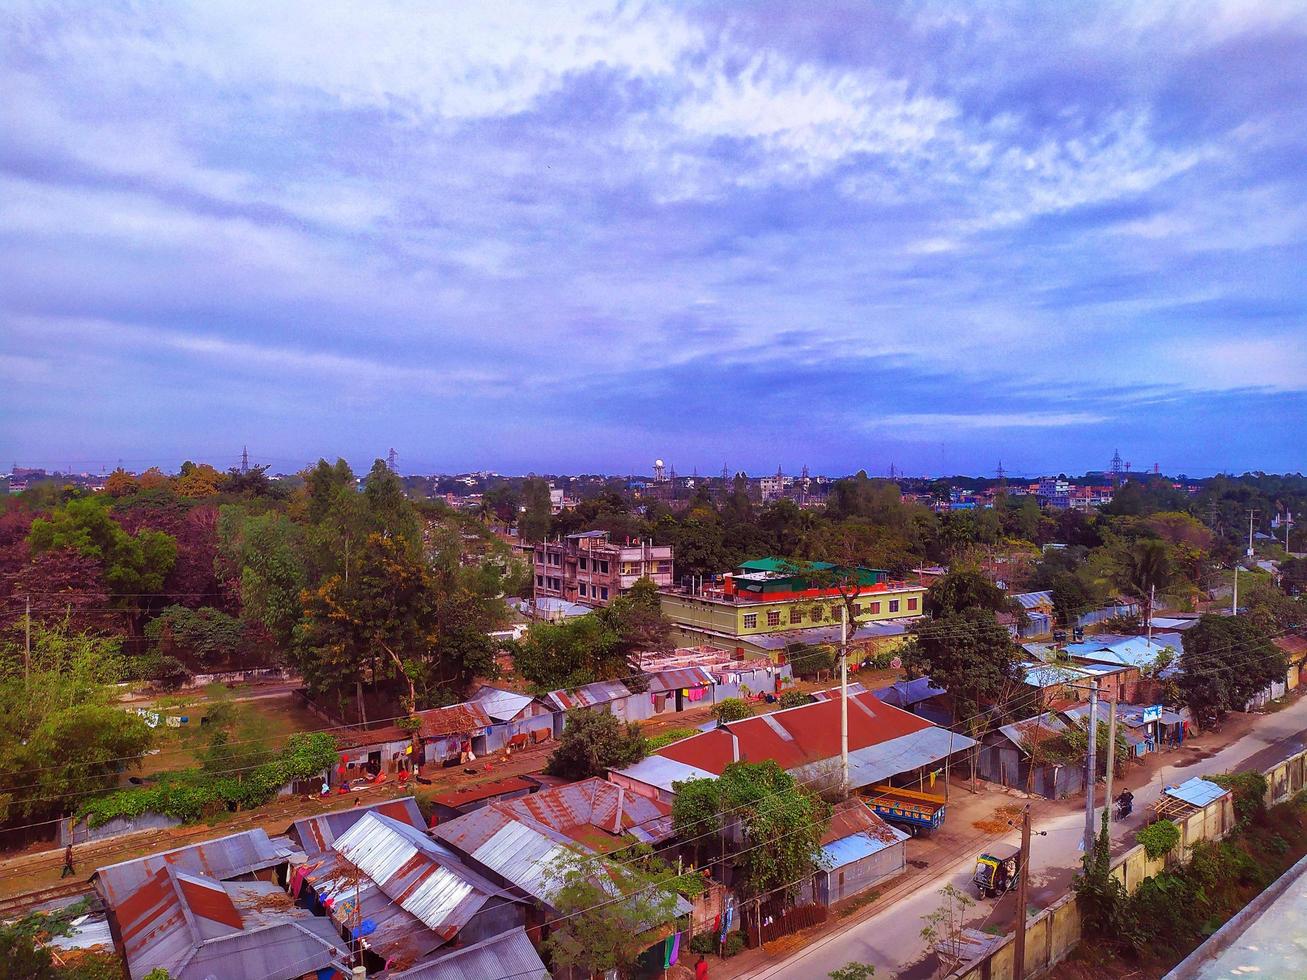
{"x":996,"y":873}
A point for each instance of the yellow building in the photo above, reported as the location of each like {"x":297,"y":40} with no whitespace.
{"x":769,"y":603}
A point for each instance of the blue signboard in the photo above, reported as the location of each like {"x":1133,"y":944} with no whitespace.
{"x":1153,"y":713}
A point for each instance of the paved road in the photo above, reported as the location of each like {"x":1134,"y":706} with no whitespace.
{"x":891,"y":939}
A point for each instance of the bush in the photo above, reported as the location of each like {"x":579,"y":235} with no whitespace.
{"x":1158,"y":838}
{"x":169,"y":672}
{"x":794,"y":699}
{"x":668,"y":737}
{"x":704,"y":943}
{"x":190,"y":794}
{"x":734,"y":943}
{"x":732,"y":709}
{"x":1249,"y":789}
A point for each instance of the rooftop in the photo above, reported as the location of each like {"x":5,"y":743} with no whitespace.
{"x":509,"y":954}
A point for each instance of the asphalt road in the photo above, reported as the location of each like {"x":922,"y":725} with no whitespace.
{"x":891,"y":940}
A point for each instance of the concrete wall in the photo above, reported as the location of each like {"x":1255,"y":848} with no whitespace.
{"x":1054,"y":932}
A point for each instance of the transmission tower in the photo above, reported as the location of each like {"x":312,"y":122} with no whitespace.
{"x":391,"y":459}
{"x":245,"y":459}
{"x":1002,"y":476}
{"x":1116,"y":468}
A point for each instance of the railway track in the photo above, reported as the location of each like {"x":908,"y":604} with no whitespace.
{"x":17,"y":906}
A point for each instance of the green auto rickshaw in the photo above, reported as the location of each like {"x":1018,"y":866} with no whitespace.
{"x":997,"y":871}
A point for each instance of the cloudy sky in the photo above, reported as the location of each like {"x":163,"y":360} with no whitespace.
{"x":562,"y":237}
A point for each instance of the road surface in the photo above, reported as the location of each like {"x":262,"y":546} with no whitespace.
{"x":891,"y":939}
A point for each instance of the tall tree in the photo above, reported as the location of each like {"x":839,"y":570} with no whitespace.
{"x":969,"y":654}
{"x":534,"y":522}
{"x":965,"y":589}
{"x":1226,"y":660}
{"x":594,"y":742}
{"x":1144,"y":567}
{"x":260,"y":558}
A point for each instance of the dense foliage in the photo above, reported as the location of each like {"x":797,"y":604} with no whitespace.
{"x":594,"y":742}
{"x":1226,"y":660}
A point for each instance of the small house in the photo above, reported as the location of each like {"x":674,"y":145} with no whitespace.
{"x":516,"y":720}
{"x":858,"y":852}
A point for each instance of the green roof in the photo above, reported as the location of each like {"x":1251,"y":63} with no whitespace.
{"x":786,"y":565}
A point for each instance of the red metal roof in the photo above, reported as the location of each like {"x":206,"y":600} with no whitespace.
{"x":355,"y":737}
{"x":483,"y":791}
{"x":457,"y":719}
{"x":796,"y":736}
{"x":210,"y":901}
{"x":855,"y":817}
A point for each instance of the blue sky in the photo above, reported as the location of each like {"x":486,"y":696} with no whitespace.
{"x":571,"y":237}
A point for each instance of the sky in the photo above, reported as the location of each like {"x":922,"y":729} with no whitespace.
{"x":574,"y":237}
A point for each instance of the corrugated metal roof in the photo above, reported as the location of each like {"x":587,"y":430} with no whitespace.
{"x":499,"y":704}
{"x":221,"y":858}
{"x":510,"y":954}
{"x":878,"y":763}
{"x":659,"y":771}
{"x":415,"y":872}
{"x":483,"y":791}
{"x":523,"y":856}
{"x":853,"y":816}
{"x":904,"y":694}
{"x":594,"y":812}
{"x":1023,"y":734}
{"x":811,"y":734}
{"x":1197,"y":792}
{"x":846,"y":850}
{"x":1033,"y":600}
{"x":457,"y":719}
{"x":315,"y":834}
{"x":600,"y":692}
{"x":678,"y":678}
{"x":285,"y":951}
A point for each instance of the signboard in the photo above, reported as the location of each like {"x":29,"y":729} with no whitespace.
{"x":1153,"y":713}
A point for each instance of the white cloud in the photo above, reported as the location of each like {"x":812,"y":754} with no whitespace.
{"x":953,"y":421}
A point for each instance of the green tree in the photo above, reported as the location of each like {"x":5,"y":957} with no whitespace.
{"x":568,"y":654}
{"x":390,"y":510}
{"x":969,"y":654}
{"x":1143,"y":567}
{"x":323,"y":483}
{"x":607,"y":914}
{"x":964,"y":589}
{"x":206,"y":636}
{"x":774,"y":828}
{"x":1226,"y":660}
{"x":594,"y":742}
{"x":636,"y":619}
{"x":61,"y":734}
{"x":262,"y":558}
{"x":534,"y":522}
{"x":1071,"y":598}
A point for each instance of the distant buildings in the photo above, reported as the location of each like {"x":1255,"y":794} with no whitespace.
{"x":772,"y":597}
{"x":590,"y":568}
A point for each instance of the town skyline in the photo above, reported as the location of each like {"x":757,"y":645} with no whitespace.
{"x":933,"y":237}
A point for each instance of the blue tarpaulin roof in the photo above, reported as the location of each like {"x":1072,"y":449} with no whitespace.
{"x":1197,"y":792}
{"x":846,"y":850}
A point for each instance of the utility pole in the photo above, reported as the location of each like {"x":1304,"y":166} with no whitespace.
{"x":1091,"y":769}
{"x":1234,"y":598}
{"x":1023,"y":874}
{"x":844,"y":699}
{"x":1251,"y":515}
{"x":1111,"y":758}
{"x":1152,"y":604}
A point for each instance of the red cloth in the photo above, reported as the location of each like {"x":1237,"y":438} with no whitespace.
{"x":701,"y":970}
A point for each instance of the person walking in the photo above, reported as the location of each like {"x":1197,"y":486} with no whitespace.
{"x":701,"y":969}
{"x":68,"y":862}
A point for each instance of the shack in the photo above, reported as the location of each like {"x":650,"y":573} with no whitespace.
{"x":1015,"y":756}
{"x":517,"y":720}
{"x":858,"y":852}
{"x":453,"y":735}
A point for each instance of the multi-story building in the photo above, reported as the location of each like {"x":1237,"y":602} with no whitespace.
{"x":774,"y":596}
{"x":591,"y":569}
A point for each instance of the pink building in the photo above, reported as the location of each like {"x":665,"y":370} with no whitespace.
{"x":590,"y":569}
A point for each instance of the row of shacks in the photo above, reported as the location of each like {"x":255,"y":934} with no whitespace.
{"x":495,"y":720}
{"x":471,"y":895}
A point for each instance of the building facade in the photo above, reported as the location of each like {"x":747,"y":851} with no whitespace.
{"x":770,"y":595}
{"x":591,"y":569}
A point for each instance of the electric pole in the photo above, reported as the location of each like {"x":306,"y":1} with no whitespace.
{"x":1091,"y":768}
{"x":27,"y":645}
{"x":1111,"y":758}
{"x":1251,"y":515}
{"x":844,"y":699}
{"x":1023,"y":874}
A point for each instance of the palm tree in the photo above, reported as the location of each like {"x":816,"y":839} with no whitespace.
{"x":1143,"y":567}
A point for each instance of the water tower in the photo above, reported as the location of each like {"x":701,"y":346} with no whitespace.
{"x":660,"y":472}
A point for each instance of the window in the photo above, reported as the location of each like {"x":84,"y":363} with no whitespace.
{"x":773,"y":617}
{"x":583,"y":587}
{"x":835,"y":615}
{"x":583,"y":563}
{"x":555,"y":559}
{"x":894,"y":605}
{"x":912,"y":604}
{"x":857,"y":610}
{"x":603,"y":567}
{"x":540,"y":557}
{"x":875,"y":608}
{"x":816,"y":614}
{"x":604,"y":590}
{"x":796,"y":616}
{"x":540,"y":581}
{"x":750,"y":621}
